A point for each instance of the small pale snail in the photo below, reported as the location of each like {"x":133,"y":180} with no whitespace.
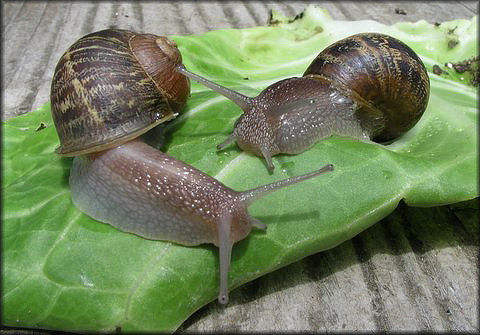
{"x":368,"y":86}
{"x":109,"y":88}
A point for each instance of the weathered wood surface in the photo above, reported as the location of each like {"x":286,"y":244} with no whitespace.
{"x":415,"y":270}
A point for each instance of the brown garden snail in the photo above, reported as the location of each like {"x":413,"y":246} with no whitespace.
{"x":109,"y":88}
{"x":368,"y":86}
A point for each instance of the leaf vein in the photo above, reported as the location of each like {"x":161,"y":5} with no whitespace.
{"x":140,"y":279}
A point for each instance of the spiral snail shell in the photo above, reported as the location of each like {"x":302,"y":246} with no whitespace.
{"x":368,"y":86}
{"x":383,"y":75}
{"x":112,"y":86}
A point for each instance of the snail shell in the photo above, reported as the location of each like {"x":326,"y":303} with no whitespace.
{"x":383,"y":75}
{"x":112,"y":86}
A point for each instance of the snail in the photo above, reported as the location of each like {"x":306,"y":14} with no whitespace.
{"x":109,"y":88}
{"x":367,"y":86}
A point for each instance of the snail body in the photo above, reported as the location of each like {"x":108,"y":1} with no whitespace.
{"x":109,"y":88}
{"x":139,"y":189}
{"x":368,"y":86}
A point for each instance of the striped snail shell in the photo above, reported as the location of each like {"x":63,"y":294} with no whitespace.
{"x":368,"y":86}
{"x":386,"y":79}
{"x":112,"y":86}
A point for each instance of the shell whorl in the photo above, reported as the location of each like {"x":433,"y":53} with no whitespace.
{"x":383,"y":75}
{"x":112,"y":86}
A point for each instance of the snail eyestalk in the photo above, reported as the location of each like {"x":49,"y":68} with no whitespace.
{"x":241,"y":100}
{"x":258,"y":192}
{"x":225,"y":250}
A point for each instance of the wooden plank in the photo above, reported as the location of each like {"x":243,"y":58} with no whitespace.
{"x":472,"y":6}
{"x":416,"y":270}
{"x":10,"y":11}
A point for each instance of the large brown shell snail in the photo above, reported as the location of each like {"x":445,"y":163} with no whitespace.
{"x":368,"y":86}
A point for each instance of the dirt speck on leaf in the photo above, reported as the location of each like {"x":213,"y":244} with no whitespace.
{"x":452,"y":43}
{"x":274,"y":18}
{"x":452,"y":38}
{"x":438,"y":70}
{"x":41,"y":126}
{"x":470,"y":66}
{"x":452,"y":30}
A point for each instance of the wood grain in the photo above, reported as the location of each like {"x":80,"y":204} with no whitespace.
{"x":416,"y":270}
